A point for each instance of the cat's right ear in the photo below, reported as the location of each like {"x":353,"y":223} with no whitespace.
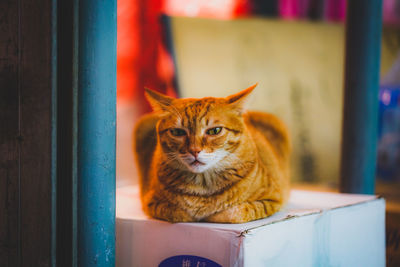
{"x":158,"y":102}
{"x":238,"y":101}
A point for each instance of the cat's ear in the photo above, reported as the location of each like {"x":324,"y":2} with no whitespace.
{"x":158,"y":102}
{"x":238,"y":100}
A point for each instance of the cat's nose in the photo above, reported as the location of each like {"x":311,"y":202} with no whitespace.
{"x":194,"y":151}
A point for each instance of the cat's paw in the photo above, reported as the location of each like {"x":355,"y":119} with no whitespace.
{"x":175,"y":216}
{"x":245,"y":212}
{"x":166,"y":212}
{"x":178,"y":217}
{"x":237,"y":214}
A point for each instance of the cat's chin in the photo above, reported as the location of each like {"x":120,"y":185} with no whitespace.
{"x":198,"y":167}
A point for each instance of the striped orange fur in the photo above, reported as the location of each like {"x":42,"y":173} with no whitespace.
{"x":210,"y":160}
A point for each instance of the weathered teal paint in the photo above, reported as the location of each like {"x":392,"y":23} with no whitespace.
{"x":360,"y":117}
{"x":96,"y":132}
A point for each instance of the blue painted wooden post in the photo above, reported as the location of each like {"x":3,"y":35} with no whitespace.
{"x":360,"y":117}
{"x":96,"y":132}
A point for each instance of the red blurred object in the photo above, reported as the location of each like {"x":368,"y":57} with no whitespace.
{"x":127,"y":49}
{"x":142,"y":59}
{"x":218,"y":9}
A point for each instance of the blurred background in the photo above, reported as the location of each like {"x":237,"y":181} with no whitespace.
{"x":294,"y":49}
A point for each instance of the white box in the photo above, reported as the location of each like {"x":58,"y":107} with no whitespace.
{"x":314,"y":229}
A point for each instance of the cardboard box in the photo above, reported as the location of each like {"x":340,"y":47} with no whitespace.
{"x":314,"y":229}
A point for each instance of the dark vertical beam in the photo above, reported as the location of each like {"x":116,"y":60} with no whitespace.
{"x":9,"y":134}
{"x":74,"y":172}
{"x":37,"y":78}
{"x":168,"y":42}
{"x":96,"y":132}
{"x":360,"y":117}
{"x":27,"y":133}
{"x":54,"y":130}
{"x":67,"y":50}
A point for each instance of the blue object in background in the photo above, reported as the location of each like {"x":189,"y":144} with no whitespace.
{"x":361,"y":86}
{"x":389,"y":133}
{"x":97,"y":132}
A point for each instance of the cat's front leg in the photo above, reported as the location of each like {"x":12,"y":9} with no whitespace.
{"x":167,"y":212}
{"x":245,"y":212}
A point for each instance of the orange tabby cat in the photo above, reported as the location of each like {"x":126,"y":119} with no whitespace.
{"x":208,"y":160}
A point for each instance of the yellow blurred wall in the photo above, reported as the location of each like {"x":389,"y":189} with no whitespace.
{"x":299,"y":68}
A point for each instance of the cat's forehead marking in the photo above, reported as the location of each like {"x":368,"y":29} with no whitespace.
{"x":194,"y":112}
{"x":204,"y":112}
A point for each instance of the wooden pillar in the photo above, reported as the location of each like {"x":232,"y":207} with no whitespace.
{"x":27,"y":133}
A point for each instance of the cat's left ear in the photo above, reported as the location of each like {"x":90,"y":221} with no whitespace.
{"x":158,"y":102}
{"x":239,"y":100}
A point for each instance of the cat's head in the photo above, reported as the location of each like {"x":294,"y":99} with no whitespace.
{"x":196,"y":134}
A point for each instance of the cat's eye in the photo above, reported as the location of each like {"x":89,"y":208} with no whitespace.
{"x":214,"y":131}
{"x":177,"y":132}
